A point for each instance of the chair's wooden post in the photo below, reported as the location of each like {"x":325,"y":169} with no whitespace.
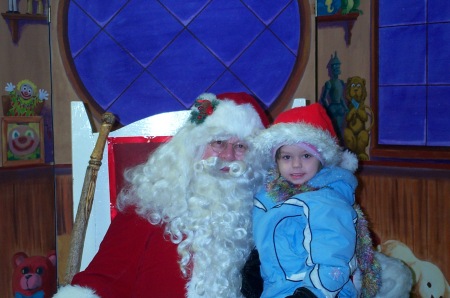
{"x":86,"y":200}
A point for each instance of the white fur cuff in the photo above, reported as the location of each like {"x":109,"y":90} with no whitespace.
{"x":75,"y":292}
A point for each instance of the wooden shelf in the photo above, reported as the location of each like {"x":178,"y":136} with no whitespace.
{"x":15,"y":18}
{"x":348,"y":19}
{"x":338,"y":17}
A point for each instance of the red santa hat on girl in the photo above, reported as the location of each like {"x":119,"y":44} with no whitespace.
{"x":310,"y":128}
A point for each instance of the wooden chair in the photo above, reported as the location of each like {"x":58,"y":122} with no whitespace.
{"x":98,"y":162}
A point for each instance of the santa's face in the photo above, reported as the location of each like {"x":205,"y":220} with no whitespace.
{"x":229,"y":150}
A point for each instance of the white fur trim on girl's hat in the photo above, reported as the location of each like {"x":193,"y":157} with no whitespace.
{"x":310,"y":125}
{"x":228,"y":114}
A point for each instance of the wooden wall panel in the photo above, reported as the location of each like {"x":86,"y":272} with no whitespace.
{"x":408,"y":205}
{"x":27,"y":218}
{"x":412,"y":206}
{"x":64,"y":202}
{"x":64,"y":207}
{"x":8,"y":236}
{"x":439,"y":214}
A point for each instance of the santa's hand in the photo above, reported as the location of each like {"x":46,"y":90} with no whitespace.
{"x":43,"y":95}
{"x":9,"y":87}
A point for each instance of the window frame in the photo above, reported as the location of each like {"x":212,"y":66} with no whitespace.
{"x":393,"y":152}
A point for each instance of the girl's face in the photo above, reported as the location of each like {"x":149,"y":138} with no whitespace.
{"x":296,"y":164}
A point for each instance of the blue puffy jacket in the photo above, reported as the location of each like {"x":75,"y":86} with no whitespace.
{"x":309,"y":240}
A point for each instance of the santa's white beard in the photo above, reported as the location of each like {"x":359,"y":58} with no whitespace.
{"x":217,"y":229}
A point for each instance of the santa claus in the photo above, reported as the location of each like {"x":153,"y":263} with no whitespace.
{"x":184,"y":226}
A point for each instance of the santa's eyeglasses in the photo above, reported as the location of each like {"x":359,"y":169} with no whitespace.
{"x":219,"y":146}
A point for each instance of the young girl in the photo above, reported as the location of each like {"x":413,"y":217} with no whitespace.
{"x":303,"y":219}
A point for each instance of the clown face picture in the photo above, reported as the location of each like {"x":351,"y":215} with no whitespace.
{"x":23,"y":140}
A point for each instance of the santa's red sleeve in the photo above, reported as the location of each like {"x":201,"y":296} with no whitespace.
{"x":134,"y":260}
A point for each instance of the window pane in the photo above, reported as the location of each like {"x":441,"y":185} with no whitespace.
{"x":402,"y":115}
{"x":402,"y":55}
{"x":401,"y":12}
{"x":439,"y":53}
{"x":438,"y":130}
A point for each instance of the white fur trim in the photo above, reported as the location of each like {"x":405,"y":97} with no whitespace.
{"x":292,"y":133}
{"x":349,"y":161}
{"x":70,"y":291}
{"x":229,"y":119}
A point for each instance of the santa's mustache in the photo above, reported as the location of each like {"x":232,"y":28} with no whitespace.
{"x":217,"y":166}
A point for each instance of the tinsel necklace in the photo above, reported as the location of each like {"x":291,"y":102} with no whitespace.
{"x":279,"y":189}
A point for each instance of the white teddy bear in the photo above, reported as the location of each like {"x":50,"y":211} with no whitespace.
{"x":429,"y":281}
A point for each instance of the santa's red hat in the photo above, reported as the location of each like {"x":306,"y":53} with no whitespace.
{"x":227,"y":114}
{"x":311,"y":128}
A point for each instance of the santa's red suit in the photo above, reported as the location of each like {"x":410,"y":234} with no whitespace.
{"x":184,"y":229}
{"x":139,"y":250}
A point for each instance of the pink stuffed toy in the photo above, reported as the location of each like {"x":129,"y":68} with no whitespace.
{"x":34,"y":276}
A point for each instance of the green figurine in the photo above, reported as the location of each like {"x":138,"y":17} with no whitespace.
{"x":332,"y":98}
{"x":350,"y":6}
